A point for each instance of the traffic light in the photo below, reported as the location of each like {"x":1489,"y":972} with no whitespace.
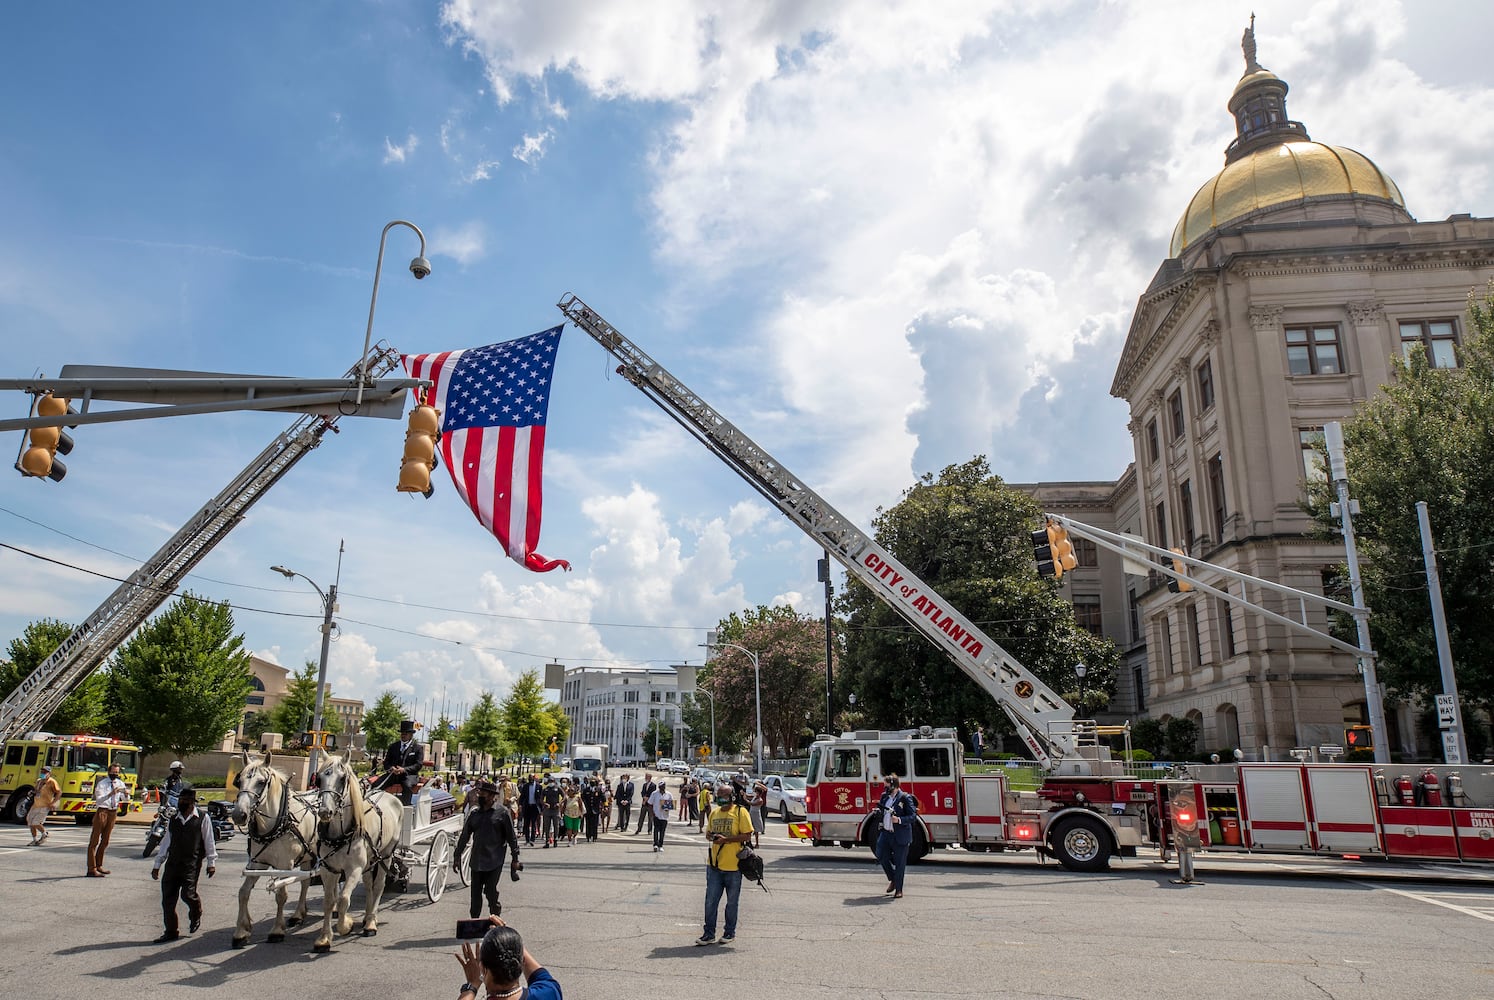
{"x":1175,"y":585}
{"x":420,"y":451}
{"x":1359,"y":738}
{"x":1062,"y":547}
{"x":40,"y":457}
{"x":1042,"y":553}
{"x":1183,"y":807}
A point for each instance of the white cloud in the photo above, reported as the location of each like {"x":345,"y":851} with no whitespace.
{"x":464,"y":244}
{"x":532,"y":149}
{"x":398,"y":154}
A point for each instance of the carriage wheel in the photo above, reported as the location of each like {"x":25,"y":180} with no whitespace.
{"x":437,"y":865}
{"x":464,"y":870}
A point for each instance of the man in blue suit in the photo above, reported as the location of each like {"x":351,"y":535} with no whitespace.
{"x":898,"y":811}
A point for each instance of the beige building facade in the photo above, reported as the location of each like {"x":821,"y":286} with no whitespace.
{"x":1294,"y":276}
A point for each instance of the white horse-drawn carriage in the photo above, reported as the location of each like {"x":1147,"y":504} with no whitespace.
{"x":341,"y":832}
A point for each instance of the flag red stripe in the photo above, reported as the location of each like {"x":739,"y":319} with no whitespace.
{"x":503,"y":486}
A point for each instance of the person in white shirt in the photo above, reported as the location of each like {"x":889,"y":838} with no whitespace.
{"x":110,"y":794}
{"x":187,"y":844}
{"x":662,"y":804}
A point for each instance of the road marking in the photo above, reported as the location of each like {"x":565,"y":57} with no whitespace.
{"x":1435,"y":901}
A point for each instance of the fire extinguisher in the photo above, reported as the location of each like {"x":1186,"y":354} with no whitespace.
{"x":1405,"y":790}
{"x":1455,"y":794}
{"x":1431,"y":788}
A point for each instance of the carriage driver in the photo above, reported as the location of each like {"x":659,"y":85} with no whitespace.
{"x":402,"y":763}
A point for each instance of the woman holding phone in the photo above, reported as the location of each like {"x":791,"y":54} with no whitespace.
{"x":493,"y":968}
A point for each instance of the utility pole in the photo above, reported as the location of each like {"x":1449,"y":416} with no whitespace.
{"x":1333,"y":437}
{"x":1449,"y":711}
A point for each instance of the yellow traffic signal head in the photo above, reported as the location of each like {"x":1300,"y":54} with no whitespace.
{"x":420,"y":451}
{"x":1062,"y":547}
{"x":40,"y":457}
{"x":1174,"y":584}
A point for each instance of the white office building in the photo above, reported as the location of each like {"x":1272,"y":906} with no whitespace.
{"x":614,"y":705}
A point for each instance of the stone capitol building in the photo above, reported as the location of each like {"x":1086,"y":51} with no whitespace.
{"x":1294,"y":275}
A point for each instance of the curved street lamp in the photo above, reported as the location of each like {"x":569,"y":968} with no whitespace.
{"x":757,"y":688}
{"x":329,"y":605}
{"x":420,"y":267}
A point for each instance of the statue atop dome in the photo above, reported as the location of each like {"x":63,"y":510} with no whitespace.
{"x":1247,"y":43}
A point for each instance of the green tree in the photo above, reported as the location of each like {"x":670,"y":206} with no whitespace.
{"x":381,"y":722}
{"x":1181,"y":739}
{"x":1429,"y":436}
{"x":966,"y":534}
{"x":560,"y":723}
{"x":525,"y":721}
{"x":790,"y":649}
{"x":658,"y":739}
{"x":180,"y":681}
{"x":297,"y":709}
{"x":483,"y":731}
{"x":84,"y":710}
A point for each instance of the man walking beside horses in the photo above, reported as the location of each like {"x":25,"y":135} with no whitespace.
{"x":491,"y":831}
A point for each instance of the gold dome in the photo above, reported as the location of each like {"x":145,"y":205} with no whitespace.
{"x":1280,"y":175}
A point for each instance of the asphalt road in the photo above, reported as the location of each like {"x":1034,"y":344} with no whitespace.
{"x":614,"y":920}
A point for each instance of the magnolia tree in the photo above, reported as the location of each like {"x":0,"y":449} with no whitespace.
{"x":790,"y":649}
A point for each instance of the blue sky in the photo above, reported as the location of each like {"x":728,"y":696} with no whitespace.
{"x":880,"y":242}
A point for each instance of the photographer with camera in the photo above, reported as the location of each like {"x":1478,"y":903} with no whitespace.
{"x":492,"y":968}
{"x":491,"y":831}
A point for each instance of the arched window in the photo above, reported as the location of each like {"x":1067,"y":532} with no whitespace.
{"x":1227,"y":727}
{"x":1197,"y":718}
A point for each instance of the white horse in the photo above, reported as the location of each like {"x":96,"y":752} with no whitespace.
{"x":357,"y":835}
{"x":281,"y":828}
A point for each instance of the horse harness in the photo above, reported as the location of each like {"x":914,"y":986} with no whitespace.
{"x":282,"y":823}
{"x":332,"y":845}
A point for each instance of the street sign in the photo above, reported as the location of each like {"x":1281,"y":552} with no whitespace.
{"x":1447,"y":711}
{"x":1450,"y":751}
{"x":1331,"y":750}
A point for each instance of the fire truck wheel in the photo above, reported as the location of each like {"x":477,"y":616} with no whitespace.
{"x":919,"y":849}
{"x":1081,"y":844}
{"x":16,"y":806}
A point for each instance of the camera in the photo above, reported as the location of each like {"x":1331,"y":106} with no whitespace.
{"x":514,"y":869}
{"x":468,"y":929}
{"x":420,"y":267}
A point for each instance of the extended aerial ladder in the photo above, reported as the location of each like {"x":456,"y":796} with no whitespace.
{"x":1045,"y":721}
{"x":133,"y":601}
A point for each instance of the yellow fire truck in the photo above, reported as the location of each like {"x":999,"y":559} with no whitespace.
{"x":75,"y":762}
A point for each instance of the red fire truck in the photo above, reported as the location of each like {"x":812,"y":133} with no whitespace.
{"x":1400,"y":812}
{"x":1088,"y":808}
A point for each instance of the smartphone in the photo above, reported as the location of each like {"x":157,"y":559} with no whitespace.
{"x":472,"y":928}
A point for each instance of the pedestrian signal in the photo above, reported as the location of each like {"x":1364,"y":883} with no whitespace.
{"x":1359,"y":738}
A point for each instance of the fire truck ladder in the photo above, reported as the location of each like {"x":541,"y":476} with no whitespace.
{"x":1043,"y":718}
{"x":146,"y":589}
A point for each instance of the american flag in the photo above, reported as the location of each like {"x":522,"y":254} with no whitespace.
{"x":493,"y":402}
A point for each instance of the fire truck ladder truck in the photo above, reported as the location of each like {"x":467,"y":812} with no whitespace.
{"x":146,"y":589}
{"x":1045,"y":720}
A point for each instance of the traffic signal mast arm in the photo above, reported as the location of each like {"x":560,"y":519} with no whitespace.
{"x":1043,"y":718}
{"x":1134,"y":548}
{"x":125,"y":610}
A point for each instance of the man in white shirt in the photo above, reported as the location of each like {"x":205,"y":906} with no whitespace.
{"x":187,"y":844}
{"x":110,"y":794}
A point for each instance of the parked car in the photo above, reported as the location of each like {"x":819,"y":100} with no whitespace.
{"x":785,"y":797}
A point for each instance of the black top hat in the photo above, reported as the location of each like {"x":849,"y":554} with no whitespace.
{"x":186,"y":792}
{"x":408,"y":726}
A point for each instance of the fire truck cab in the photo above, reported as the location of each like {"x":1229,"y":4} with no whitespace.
{"x":75,"y":762}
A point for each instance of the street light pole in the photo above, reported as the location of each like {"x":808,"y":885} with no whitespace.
{"x":713,"y":718}
{"x":329,"y":606}
{"x":420,"y":267}
{"x":757,"y":689}
{"x":1080,"y":670}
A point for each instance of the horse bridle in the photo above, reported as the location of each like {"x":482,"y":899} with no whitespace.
{"x":342,"y":795}
{"x":282,"y":823}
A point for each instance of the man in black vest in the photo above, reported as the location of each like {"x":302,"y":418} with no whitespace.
{"x":188,"y":842}
{"x":624,"y":797}
{"x":402,"y":763}
{"x":491,"y":831}
{"x":645,"y":814}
